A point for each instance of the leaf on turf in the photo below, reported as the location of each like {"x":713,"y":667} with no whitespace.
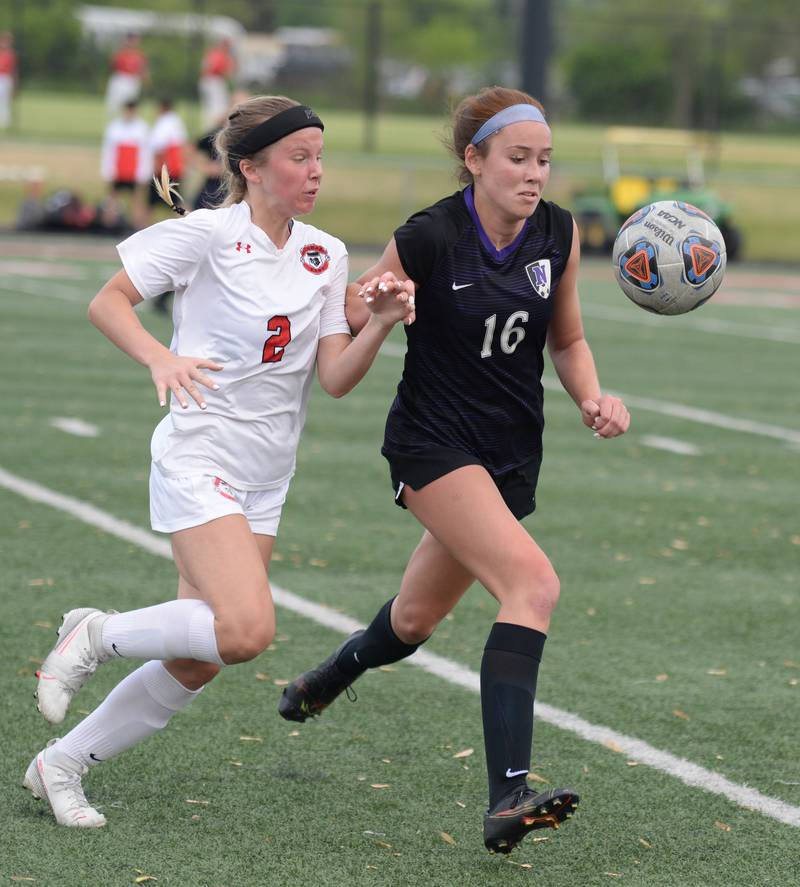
{"x":379,"y":785}
{"x":680,"y":544}
{"x":464,"y":753}
{"x":262,"y":676}
{"x":717,"y":672}
{"x":234,"y":763}
{"x":795,"y":539}
{"x":520,"y":865}
{"x":591,"y":611}
{"x":609,"y":743}
{"x":448,"y":839}
{"x":462,"y":805}
{"x":37,"y":583}
{"x":41,"y":623}
{"x":379,"y":834}
{"x":276,"y":556}
{"x":250,"y":739}
{"x":632,"y":763}
{"x":660,"y":678}
{"x":295,"y":733}
{"x":386,"y":668}
{"x":613,"y":874}
{"x":193,"y":801}
{"x":534,"y":777}
{"x":280,"y":682}
{"x":645,"y":843}
{"x":317,"y":562}
{"x":141,"y":879}
{"x":790,"y":663}
{"x":383,"y":844}
{"x":722,"y":825}
{"x":21,"y":878}
{"x":680,"y":714}
{"x":386,"y":760}
{"x":647,"y":580}
{"x":539,"y":840}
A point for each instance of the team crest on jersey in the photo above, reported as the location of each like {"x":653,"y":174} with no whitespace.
{"x":315,"y":258}
{"x":539,"y":276}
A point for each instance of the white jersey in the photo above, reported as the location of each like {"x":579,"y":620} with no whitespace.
{"x":125,"y":155}
{"x":167,"y":130}
{"x":257,"y":310}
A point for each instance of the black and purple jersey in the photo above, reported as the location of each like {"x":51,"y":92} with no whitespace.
{"x":473,"y":368}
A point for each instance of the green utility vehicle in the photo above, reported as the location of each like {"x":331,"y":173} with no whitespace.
{"x":641,"y":166}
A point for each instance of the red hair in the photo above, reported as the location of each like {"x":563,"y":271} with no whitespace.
{"x":470,"y":115}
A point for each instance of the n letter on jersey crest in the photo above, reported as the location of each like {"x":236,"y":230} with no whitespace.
{"x":539,"y":276}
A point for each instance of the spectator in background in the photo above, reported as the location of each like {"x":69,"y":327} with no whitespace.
{"x":217,"y":68}
{"x":8,"y":77}
{"x":168,"y":140}
{"x":126,"y":161}
{"x":128,"y":73}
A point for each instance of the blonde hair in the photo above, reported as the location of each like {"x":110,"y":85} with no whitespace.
{"x":245,"y":117}
{"x":470,"y":115}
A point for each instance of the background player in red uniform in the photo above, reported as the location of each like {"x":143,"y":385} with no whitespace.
{"x":129,"y":72}
{"x":216,"y":71}
{"x":8,"y":77}
{"x":496,"y":269}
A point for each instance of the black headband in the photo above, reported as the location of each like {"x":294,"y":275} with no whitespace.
{"x":268,"y":132}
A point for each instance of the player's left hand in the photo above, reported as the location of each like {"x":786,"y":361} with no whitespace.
{"x":607,"y":416}
{"x":390,"y":299}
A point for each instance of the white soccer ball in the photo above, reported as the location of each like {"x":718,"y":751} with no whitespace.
{"x":669,"y":257}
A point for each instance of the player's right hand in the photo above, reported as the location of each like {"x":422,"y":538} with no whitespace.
{"x":178,"y":374}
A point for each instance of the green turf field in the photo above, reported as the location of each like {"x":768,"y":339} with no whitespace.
{"x":677,"y":625}
{"x":366,"y":195}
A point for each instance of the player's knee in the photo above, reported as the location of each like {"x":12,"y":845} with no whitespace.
{"x":246,"y":640}
{"x":413,"y":625}
{"x":193,"y":674}
{"x":545,"y":589}
{"x":535,"y":586}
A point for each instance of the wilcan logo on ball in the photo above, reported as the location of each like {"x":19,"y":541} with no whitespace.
{"x":669,"y":257}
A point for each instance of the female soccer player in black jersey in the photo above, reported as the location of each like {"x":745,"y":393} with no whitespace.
{"x":496,"y":272}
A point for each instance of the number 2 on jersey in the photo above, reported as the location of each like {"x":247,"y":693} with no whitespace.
{"x":281,"y":330}
{"x":510,"y":337}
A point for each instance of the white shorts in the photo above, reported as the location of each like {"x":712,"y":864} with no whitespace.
{"x":177,"y":503}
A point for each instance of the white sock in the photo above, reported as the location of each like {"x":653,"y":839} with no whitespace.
{"x":140,"y":705}
{"x":182,"y":629}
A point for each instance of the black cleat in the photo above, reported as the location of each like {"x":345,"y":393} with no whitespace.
{"x":521,"y":812}
{"x":315,"y":690}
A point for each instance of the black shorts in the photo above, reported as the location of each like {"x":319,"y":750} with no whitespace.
{"x":123,"y":186}
{"x":418,"y":468}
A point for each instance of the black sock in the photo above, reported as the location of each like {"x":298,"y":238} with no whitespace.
{"x":509,"y":669}
{"x":379,"y":645}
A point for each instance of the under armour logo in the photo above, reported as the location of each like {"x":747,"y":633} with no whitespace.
{"x":243,"y":246}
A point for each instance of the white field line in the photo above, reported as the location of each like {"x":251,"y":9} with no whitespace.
{"x":50,"y":290}
{"x":71,"y":425}
{"x":699,"y":324}
{"x":688,"y":773}
{"x":665,"y":408}
{"x":670,"y":444}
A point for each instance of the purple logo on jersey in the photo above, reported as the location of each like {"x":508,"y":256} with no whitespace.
{"x":539,"y":276}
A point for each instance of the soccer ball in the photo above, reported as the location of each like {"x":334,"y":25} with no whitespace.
{"x":669,"y":257}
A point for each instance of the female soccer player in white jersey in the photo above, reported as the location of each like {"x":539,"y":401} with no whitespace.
{"x":259,"y":302}
{"x":496,"y":269}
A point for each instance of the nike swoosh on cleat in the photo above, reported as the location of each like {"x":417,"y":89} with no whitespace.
{"x":460,"y":286}
{"x":114,"y":648}
{"x":510,"y":772}
{"x":95,"y":758}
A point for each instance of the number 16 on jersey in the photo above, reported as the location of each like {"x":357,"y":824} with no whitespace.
{"x":510,"y":336}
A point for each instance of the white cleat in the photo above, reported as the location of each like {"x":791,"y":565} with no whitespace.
{"x":71,"y":662}
{"x":56,"y":778}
